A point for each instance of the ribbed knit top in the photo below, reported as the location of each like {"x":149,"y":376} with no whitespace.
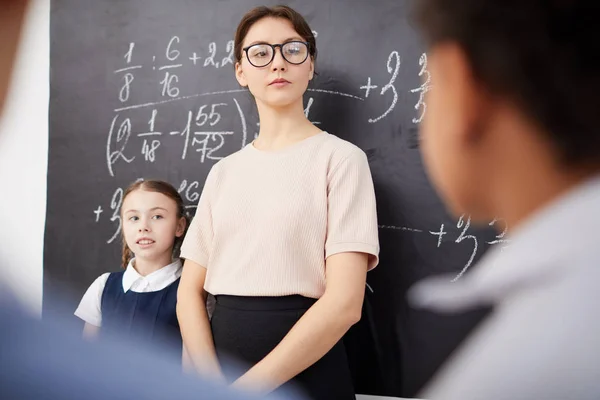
{"x":267,"y":221}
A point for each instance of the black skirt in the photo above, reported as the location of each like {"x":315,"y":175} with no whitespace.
{"x":246,"y":329}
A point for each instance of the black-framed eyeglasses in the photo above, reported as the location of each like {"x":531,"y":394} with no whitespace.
{"x":261,"y":54}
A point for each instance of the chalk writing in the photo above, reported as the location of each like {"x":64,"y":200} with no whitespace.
{"x":115,"y":205}
{"x":149,"y":149}
{"x":125,"y":89}
{"x":98,"y":211}
{"x":168,"y":85}
{"x":423,"y":89}
{"x":122,"y":137}
{"x":464,"y":236}
{"x":393,"y":67}
{"x":189,"y":192}
{"x":210,"y":60}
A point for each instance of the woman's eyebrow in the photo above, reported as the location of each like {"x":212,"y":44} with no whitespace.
{"x":293,"y":38}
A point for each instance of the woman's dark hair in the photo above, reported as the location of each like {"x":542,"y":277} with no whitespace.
{"x":298,"y":22}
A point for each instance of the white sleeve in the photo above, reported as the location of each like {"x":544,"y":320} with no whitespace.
{"x":89,"y":307}
{"x":542,"y":344}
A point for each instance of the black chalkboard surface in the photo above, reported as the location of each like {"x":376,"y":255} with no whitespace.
{"x":145,"y":89}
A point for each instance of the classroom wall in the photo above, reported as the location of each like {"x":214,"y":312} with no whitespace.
{"x":23,"y":162}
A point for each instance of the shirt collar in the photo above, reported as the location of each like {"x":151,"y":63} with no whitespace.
{"x":543,"y":247}
{"x":155,"y":281}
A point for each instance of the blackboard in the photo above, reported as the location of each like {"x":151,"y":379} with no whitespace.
{"x":145,"y":89}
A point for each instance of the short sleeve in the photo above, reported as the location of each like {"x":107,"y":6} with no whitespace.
{"x":89,"y":308}
{"x":198,"y":239}
{"x":352,"y":211}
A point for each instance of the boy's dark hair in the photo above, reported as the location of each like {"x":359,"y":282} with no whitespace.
{"x":540,"y":54}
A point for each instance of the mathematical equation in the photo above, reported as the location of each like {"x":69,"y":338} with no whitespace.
{"x":393,"y":68}
{"x":201,"y":132}
{"x":463,"y":224}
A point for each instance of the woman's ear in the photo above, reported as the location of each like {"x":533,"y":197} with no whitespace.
{"x":181,"y":224}
{"x":311,"y":72}
{"x":239,"y":74}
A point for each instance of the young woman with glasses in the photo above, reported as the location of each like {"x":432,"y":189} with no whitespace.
{"x":284,"y":233}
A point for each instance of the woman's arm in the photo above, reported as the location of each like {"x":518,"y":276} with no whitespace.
{"x":319,"y":329}
{"x":194,"y":322}
{"x":186,"y":361}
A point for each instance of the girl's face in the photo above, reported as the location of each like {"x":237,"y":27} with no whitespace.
{"x":151,"y":224}
{"x":260,"y":80}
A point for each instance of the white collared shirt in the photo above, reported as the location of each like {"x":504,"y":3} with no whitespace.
{"x":543,"y":339}
{"x":89,"y":308}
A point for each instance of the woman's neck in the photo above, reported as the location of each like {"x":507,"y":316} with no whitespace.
{"x":145,"y":266}
{"x":280,"y":127}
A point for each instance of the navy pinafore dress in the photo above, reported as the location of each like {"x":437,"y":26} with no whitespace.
{"x":149,"y":318}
